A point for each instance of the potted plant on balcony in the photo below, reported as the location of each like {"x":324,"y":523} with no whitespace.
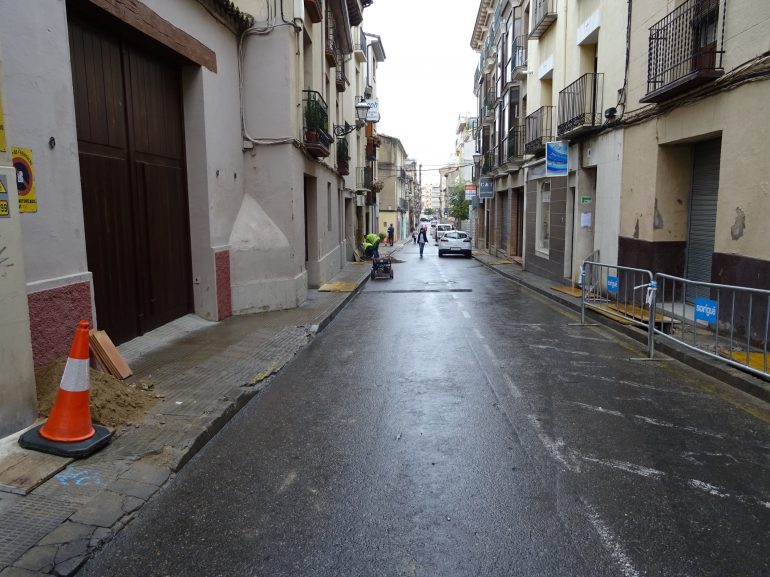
{"x":377,"y":185}
{"x":343,"y":157}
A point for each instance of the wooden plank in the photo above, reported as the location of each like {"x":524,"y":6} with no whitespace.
{"x":113,"y":358}
{"x":22,"y":470}
{"x":101,"y":355}
{"x":641,"y":314}
{"x":146,"y":21}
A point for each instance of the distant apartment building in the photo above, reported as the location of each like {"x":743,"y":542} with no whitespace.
{"x":391,"y":167}
{"x":663,"y":149}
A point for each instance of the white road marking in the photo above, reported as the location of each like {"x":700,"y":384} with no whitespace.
{"x":287,"y":482}
{"x":668,"y":425}
{"x":478,"y":333}
{"x":708,"y":488}
{"x":514,"y":389}
{"x":490,"y":352}
{"x":553,"y":446}
{"x":626,"y":467}
{"x":466,"y":314}
{"x":612,"y":544}
{"x":597,"y":409}
{"x":649,"y":420}
{"x":561,"y":350}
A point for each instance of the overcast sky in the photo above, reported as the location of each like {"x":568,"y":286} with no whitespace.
{"x":426,"y":81}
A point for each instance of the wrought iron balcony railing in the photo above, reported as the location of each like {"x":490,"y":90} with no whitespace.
{"x":513,"y":145}
{"x":518,"y":62}
{"x":364,"y":177}
{"x":341,"y":79}
{"x":580,"y":105}
{"x":539,"y":130}
{"x":543,"y":14}
{"x":488,"y":163}
{"x":315,"y":124}
{"x":685,"y":49}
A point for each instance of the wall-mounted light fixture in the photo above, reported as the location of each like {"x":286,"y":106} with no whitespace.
{"x":362,"y":109}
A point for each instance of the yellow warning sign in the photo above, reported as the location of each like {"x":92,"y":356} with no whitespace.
{"x":25,"y":179}
{"x":4,"y":212}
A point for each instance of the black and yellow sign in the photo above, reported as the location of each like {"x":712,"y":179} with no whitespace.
{"x":4,"y":212}
{"x":25,"y":179}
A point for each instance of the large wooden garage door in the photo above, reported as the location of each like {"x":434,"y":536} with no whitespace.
{"x":131,"y":145}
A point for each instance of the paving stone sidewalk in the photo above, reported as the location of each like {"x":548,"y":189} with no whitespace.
{"x":205,"y":372}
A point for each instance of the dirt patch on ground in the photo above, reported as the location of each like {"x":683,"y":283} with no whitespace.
{"x":113,"y":402}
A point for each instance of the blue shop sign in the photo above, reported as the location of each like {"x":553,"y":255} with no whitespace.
{"x":556,"y":157}
{"x":612,"y":284}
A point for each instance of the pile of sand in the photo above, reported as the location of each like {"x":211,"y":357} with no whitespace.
{"x":113,"y":402}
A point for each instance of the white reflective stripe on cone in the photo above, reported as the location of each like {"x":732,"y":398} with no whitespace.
{"x":75,"y":376}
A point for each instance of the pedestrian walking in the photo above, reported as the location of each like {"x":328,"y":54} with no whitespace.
{"x":422,"y":239}
{"x":414,"y":235}
{"x":391,"y":232}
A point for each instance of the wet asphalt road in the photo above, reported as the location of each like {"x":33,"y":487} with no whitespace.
{"x":449,"y":423}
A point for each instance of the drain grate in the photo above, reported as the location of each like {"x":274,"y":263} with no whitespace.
{"x":424,"y":291}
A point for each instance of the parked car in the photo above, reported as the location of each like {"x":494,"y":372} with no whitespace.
{"x":442,"y":229}
{"x":455,"y":242}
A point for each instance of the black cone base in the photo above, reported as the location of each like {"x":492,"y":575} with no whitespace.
{"x":33,"y":440}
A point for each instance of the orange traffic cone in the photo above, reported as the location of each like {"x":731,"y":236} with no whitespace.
{"x":69,"y":431}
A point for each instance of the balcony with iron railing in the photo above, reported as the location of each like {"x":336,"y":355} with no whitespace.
{"x":543,"y":15}
{"x":580,"y":106}
{"x":518,"y":62}
{"x":685,"y":49}
{"x":330,"y":50}
{"x":315,"y":125}
{"x":364,"y":177}
{"x":488,"y":162}
{"x":512,"y":148}
{"x":359,"y":45}
{"x":340,"y":79}
{"x":539,"y":130}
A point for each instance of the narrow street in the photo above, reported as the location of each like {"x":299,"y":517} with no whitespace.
{"x":450,"y":423}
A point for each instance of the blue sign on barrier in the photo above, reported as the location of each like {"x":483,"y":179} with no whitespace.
{"x":612,"y":284}
{"x":705,"y":310}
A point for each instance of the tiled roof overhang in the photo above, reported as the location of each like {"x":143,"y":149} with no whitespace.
{"x":228,"y":12}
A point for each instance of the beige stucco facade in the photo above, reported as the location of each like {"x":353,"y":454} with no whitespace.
{"x":661,"y":140}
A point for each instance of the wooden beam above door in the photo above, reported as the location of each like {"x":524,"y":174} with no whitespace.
{"x":140,"y":17}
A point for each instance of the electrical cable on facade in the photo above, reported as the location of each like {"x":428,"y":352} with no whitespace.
{"x":260,"y":31}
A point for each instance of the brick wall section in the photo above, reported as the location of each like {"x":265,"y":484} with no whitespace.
{"x":224,"y":294}
{"x":53,"y":317}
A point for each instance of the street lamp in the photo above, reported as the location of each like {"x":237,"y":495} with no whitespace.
{"x":362,"y":109}
{"x":476,"y":158}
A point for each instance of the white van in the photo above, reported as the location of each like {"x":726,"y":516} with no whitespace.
{"x":442,"y":229}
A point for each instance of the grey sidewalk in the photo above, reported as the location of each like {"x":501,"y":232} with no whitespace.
{"x":205,"y":373}
{"x":721,"y":371}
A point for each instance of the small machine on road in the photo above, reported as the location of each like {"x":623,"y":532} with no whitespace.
{"x":382,"y":267}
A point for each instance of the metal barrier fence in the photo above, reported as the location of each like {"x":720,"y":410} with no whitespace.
{"x":726,"y":322}
{"x":619,"y":293}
